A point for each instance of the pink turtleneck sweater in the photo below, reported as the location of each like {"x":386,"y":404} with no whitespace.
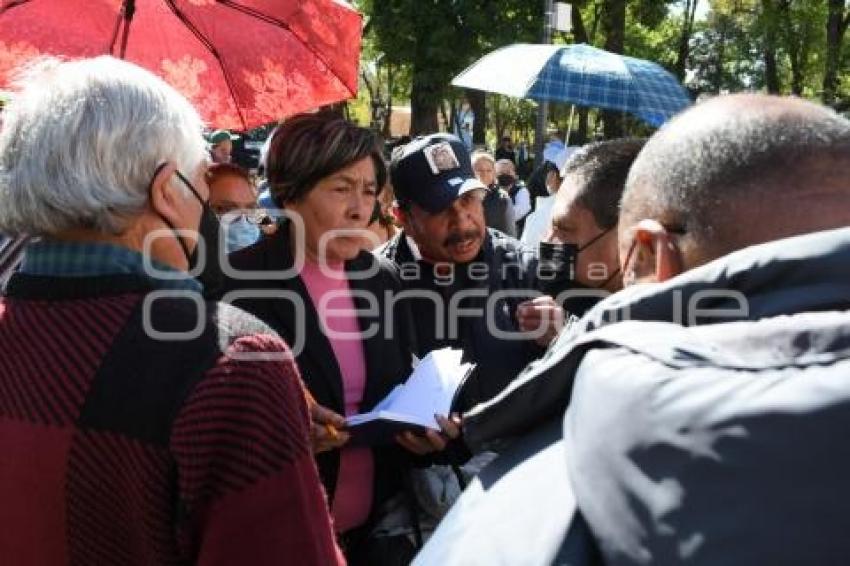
{"x":353,"y":497}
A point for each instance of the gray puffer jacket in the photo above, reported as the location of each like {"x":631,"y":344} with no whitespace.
{"x":710,"y":429}
{"x":803,"y":274}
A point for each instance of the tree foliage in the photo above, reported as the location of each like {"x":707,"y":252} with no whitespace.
{"x":781,"y":46}
{"x":436,"y":39}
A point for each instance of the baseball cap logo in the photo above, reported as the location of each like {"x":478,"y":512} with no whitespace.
{"x":441,"y":157}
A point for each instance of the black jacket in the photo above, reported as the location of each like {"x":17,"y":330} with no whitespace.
{"x":503,"y":265}
{"x":499,"y":211}
{"x":387,"y":355}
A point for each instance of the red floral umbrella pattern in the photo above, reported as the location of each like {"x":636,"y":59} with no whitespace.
{"x":241,"y":63}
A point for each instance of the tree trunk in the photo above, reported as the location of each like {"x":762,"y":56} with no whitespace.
{"x":614,"y":25}
{"x":368,"y":84}
{"x":580,"y":34}
{"x":836,"y":25}
{"x":685,"y":39}
{"x":478,"y":102}
{"x":580,"y":135}
{"x":796,"y":46}
{"x":374,"y":97}
{"x":389,"y":115}
{"x":771,"y":69}
{"x":498,"y":117}
{"x":597,"y":13}
{"x":424,"y":102}
{"x":721,"y":55}
{"x":771,"y":73}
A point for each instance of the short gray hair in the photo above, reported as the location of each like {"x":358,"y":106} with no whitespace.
{"x":478,"y":155}
{"x":81,"y":140}
{"x":729,"y":148}
{"x":507,"y":162}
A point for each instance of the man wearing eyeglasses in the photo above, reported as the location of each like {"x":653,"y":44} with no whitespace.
{"x":233,"y":198}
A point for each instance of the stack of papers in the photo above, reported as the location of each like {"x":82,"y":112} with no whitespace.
{"x":411,"y":406}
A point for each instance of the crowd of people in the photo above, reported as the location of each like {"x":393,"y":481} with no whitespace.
{"x":179,"y":353}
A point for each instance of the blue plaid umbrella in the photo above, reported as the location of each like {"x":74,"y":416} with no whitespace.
{"x":579,"y":74}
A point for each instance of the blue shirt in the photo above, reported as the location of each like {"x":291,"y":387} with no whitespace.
{"x":90,"y":259}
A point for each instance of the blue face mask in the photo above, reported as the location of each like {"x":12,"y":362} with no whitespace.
{"x":241,"y":233}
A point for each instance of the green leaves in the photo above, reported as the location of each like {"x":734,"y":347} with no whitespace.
{"x":790,"y":45}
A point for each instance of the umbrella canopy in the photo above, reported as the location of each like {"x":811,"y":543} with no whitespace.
{"x":241,"y":63}
{"x":579,"y":74}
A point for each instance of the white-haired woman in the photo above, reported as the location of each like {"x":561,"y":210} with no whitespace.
{"x":132,"y":433}
{"x":498,"y":206}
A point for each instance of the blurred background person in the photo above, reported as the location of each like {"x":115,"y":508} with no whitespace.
{"x":221,"y":146}
{"x":233,"y":198}
{"x":382,"y":223}
{"x":535,"y":180}
{"x":498,"y":206}
{"x":464,"y":122}
{"x":508,"y":181}
{"x":506,"y":150}
{"x":539,"y":220}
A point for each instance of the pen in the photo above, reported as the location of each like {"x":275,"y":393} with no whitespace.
{"x":331,"y":431}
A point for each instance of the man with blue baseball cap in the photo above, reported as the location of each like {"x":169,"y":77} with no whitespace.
{"x":439,"y":198}
{"x":470,"y":278}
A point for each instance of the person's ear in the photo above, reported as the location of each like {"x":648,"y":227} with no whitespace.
{"x":655,"y":257}
{"x":401,"y":217}
{"x":165,"y":201}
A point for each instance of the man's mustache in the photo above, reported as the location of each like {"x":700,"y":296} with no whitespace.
{"x":459,"y":237}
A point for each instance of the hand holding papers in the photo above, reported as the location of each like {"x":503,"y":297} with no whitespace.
{"x":412,"y":405}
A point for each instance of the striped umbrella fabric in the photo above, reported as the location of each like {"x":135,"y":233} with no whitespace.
{"x":579,"y":74}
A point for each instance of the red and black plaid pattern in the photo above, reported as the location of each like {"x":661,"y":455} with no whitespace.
{"x":235,"y":477}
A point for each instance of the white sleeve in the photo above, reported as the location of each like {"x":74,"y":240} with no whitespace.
{"x":531,"y":230}
{"x":522,"y":204}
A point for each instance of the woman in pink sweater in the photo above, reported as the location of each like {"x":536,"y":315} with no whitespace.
{"x":316,"y":286}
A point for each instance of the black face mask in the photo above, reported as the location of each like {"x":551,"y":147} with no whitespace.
{"x":556,"y":267}
{"x":211,"y":276}
{"x":505,"y":180}
{"x":557,"y":273}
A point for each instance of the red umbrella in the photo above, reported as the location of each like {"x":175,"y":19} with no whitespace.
{"x":241,"y":63}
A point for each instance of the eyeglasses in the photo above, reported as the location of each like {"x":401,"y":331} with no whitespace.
{"x":255,"y":216}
